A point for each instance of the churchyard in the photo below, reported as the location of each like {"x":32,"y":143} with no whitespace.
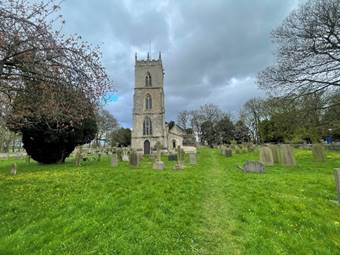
{"x":109,"y":206}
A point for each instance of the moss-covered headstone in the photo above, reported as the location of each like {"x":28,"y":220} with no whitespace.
{"x":318,"y":151}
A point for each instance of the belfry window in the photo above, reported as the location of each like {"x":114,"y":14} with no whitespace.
{"x":147,"y":126}
{"x":148,"y":80}
{"x":148,"y":102}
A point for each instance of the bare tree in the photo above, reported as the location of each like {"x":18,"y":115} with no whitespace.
{"x":183,"y":119}
{"x":251,"y":115}
{"x":308,"y":50}
{"x":35,"y":52}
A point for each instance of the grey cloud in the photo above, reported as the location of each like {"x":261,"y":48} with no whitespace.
{"x":212,"y":50}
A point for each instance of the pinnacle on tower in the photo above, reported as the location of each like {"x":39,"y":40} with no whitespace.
{"x":159,"y":56}
{"x":148,"y":58}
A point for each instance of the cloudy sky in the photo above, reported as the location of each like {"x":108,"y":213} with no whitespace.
{"x":211,"y":49}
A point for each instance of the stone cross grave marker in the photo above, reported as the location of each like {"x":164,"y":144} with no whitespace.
{"x":158,"y":163}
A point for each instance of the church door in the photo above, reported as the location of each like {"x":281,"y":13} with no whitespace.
{"x":146,"y":147}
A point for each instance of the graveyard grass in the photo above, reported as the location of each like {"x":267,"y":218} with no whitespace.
{"x":210,"y":208}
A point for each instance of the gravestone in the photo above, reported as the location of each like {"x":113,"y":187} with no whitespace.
{"x":172,"y":157}
{"x":79,"y":155}
{"x":237,"y":149}
{"x":14,"y":169}
{"x":193,"y":158}
{"x":125,"y":156}
{"x":228,"y":152}
{"x":266,"y":156}
{"x":286,"y":155}
{"x":133,"y":159}
{"x":253,"y":166}
{"x":337,"y":182}
{"x":114,"y":160}
{"x":119,"y":154}
{"x":318,"y":152}
{"x":158,"y":163}
{"x":180,"y":156}
{"x":275,"y":151}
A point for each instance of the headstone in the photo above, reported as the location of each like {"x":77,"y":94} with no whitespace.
{"x":228,"y":152}
{"x":275,"y":151}
{"x":193,"y":158}
{"x":158,"y":164}
{"x":179,"y":164}
{"x":125,"y":156}
{"x":119,"y":154}
{"x":318,"y":152}
{"x":114,"y":160}
{"x":237,"y":149}
{"x":286,"y":157}
{"x":337,"y":182}
{"x":172,"y":157}
{"x":266,"y":156}
{"x":14,"y":169}
{"x":253,"y":166}
{"x":133,"y":159}
{"x":79,"y":155}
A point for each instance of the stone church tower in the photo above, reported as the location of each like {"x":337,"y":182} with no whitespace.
{"x":148,"y":106}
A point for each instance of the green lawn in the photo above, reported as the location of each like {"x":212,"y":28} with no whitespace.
{"x":211,"y":208}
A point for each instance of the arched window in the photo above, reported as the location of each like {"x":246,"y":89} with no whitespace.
{"x":147,"y":126}
{"x":148,"y":80}
{"x":148,"y":102}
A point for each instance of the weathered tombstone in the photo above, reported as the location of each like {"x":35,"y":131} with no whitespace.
{"x":14,"y":169}
{"x":337,"y":182}
{"x":179,"y":164}
{"x":228,"y":152}
{"x":266,"y":156}
{"x":133,"y":159}
{"x":79,"y":155}
{"x":318,"y":152}
{"x":158,"y":163}
{"x":172,"y":157}
{"x":119,"y":154}
{"x":253,"y":166}
{"x":286,"y":157}
{"x":237,"y":149}
{"x":193,"y":158}
{"x":275,"y":151}
{"x":114,"y":160}
{"x":125,"y":156}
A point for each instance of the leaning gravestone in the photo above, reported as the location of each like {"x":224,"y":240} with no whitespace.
{"x":318,"y":152}
{"x":133,"y":159}
{"x":266,"y":156}
{"x":180,"y":156}
{"x":286,"y":157}
{"x":14,"y":169}
{"x":253,"y":166}
{"x":275,"y":151}
{"x":193,"y":158}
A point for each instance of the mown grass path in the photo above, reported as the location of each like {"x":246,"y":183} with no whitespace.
{"x":217,"y":227}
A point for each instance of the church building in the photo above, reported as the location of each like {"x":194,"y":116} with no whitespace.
{"x":149,"y":126}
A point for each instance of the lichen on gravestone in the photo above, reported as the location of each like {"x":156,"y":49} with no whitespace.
{"x":318,"y":151}
{"x":266,"y":156}
{"x":286,"y":155}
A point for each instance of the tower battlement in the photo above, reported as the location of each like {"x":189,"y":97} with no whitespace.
{"x":148,"y":60}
